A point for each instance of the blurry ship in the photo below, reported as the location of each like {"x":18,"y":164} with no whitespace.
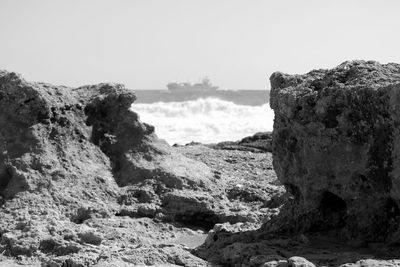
{"x":204,"y":86}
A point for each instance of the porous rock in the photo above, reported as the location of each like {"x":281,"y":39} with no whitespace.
{"x":373,"y":263}
{"x":259,"y":142}
{"x":299,"y":262}
{"x":45,"y":130}
{"x":336,"y":150}
{"x":79,"y":171}
{"x":66,"y":154}
{"x":336,"y":147}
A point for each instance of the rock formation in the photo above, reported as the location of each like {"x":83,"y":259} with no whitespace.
{"x":66,"y":153}
{"x":84,"y":182}
{"x":79,"y":171}
{"x":336,"y":147}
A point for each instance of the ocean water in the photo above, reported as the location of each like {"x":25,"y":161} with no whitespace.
{"x":241,"y":97}
{"x":205,"y":119}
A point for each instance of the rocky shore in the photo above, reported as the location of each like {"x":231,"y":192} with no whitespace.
{"x":83,"y":182}
{"x":335,"y":149}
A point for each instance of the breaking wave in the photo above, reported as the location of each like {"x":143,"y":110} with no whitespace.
{"x":205,"y":120}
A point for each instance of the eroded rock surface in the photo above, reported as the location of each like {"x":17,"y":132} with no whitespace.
{"x":336,"y":147}
{"x":84,"y":182}
{"x":336,"y":150}
{"x":67,"y":155}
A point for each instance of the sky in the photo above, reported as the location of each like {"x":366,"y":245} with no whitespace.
{"x":145,"y":44}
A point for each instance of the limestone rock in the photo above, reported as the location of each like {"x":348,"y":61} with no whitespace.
{"x":259,"y":142}
{"x":84,"y":182}
{"x":66,"y":154}
{"x":373,"y":263}
{"x":336,"y":147}
{"x":336,"y":150}
{"x":299,"y":262}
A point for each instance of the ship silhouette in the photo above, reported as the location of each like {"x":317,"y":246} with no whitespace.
{"x":204,"y":86}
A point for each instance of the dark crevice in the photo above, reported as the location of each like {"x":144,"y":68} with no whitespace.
{"x":5,"y":179}
{"x":332,"y":203}
{"x":134,"y":214}
{"x":333,"y":210}
{"x":293,"y":190}
{"x":201,"y":220}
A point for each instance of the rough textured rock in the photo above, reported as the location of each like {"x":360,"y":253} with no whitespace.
{"x":336,"y":151}
{"x":249,"y":190}
{"x":84,"y":183}
{"x":373,"y":263}
{"x":299,"y":262}
{"x":244,"y":189}
{"x":336,"y":147}
{"x":67,"y":155}
{"x":259,"y":142}
{"x":49,"y":132}
{"x":79,"y":171}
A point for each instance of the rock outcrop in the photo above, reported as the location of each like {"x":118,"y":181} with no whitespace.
{"x":336,"y":148}
{"x":84,"y":182}
{"x":68,"y":155}
{"x":79,"y":171}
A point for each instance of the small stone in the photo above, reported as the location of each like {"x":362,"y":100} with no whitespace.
{"x":91,"y":237}
{"x":299,"y":262}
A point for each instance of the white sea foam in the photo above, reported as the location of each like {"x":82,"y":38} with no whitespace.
{"x":206,"y":120}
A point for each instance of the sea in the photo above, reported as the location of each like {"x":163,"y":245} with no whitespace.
{"x":204,"y":117}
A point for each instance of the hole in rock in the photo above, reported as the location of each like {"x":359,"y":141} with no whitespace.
{"x":333,"y":210}
{"x":5,"y":179}
{"x":215,"y":238}
{"x":199,"y":220}
{"x":392,"y":209}
{"x":332,"y":203}
{"x":134,"y":214}
{"x":293,"y":190}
